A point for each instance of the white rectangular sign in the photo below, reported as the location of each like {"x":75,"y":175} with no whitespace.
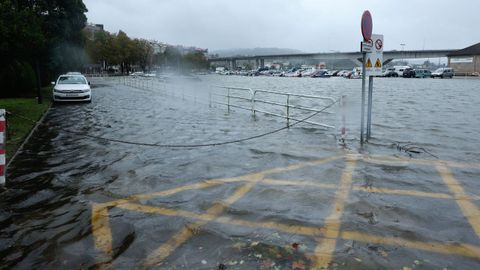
{"x":374,"y":61}
{"x":461,"y":60}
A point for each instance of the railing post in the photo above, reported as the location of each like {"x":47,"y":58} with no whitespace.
{"x":343,"y":105}
{"x":228,"y":100}
{"x":253,"y":93}
{"x":288,"y":111}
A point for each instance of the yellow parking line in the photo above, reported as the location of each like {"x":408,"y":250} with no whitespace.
{"x":161,"y":253}
{"x":326,"y":246}
{"x":168,"y":192}
{"x":101,"y":231}
{"x":451,"y":249}
{"x":403,"y":192}
{"x":469,"y":209}
{"x":293,"y":229}
{"x":164,"y":251}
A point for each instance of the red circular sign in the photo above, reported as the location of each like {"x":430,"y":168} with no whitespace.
{"x":378,"y":44}
{"x":367,"y":25}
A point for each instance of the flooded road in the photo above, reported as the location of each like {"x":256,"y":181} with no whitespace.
{"x":291,"y":200}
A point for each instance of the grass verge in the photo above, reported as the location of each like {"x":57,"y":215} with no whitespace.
{"x":17,"y":127}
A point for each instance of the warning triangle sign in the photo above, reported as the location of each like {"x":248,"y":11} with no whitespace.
{"x":378,"y":63}
{"x":369,"y":63}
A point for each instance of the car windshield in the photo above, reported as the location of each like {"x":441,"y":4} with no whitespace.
{"x":72,"y":80}
{"x":439,"y":70}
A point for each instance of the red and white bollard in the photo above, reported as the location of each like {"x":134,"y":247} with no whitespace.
{"x":3,"y":141}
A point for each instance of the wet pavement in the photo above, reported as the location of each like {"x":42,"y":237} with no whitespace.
{"x":291,"y":200}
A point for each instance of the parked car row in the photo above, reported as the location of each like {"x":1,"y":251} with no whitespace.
{"x":408,"y":72}
{"x":355,"y":73}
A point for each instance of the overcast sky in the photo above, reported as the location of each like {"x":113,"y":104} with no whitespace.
{"x":307,"y":25}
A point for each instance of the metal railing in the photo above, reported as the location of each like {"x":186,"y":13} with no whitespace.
{"x":250,"y":97}
{"x":276,"y":104}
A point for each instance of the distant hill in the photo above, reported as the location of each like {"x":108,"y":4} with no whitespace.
{"x":254,"y":51}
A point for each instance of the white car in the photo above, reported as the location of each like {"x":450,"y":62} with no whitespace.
{"x":72,"y":87}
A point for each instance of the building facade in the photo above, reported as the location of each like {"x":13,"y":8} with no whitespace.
{"x":466,"y":61}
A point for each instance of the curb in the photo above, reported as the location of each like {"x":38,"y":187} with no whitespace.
{"x":19,"y":149}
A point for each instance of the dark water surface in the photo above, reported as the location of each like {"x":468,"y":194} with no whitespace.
{"x":53,"y":185}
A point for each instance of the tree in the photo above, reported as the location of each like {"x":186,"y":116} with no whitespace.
{"x":196,"y":60}
{"x":41,"y":31}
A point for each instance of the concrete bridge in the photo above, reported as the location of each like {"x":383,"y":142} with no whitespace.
{"x":356,"y":57}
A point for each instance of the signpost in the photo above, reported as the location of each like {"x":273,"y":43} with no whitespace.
{"x":372,"y":64}
{"x":366,"y":26}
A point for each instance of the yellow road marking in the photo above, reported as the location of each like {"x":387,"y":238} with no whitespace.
{"x":103,"y":239}
{"x":293,"y":229}
{"x":168,"y":192}
{"x":469,"y":209}
{"x":326,"y":246}
{"x":102,"y":234}
{"x":161,"y":253}
{"x":451,"y":249}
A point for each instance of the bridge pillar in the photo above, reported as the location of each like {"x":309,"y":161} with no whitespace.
{"x":257,"y":63}
{"x":262,"y":63}
{"x":233,"y":64}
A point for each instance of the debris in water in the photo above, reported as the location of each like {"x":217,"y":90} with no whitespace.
{"x":295,"y":246}
{"x":204,"y":262}
{"x":222,"y":267}
{"x":371,"y":216}
{"x":357,"y":259}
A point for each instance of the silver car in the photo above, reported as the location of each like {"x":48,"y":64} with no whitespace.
{"x":72,"y":87}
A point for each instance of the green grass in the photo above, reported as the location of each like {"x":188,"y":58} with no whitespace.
{"x":18,"y":128}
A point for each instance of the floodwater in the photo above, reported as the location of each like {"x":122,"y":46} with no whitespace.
{"x":290,"y":200}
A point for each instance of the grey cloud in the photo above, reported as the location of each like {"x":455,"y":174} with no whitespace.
{"x":308,"y":25}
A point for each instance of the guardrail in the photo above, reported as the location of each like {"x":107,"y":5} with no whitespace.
{"x":253,"y":99}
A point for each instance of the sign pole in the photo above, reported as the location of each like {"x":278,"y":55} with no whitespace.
{"x":369,"y":112}
{"x":362,"y":122}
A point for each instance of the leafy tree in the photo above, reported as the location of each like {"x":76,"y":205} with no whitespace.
{"x":44,"y":32}
{"x":196,"y":60}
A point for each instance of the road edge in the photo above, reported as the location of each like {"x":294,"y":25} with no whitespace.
{"x":30,"y":134}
